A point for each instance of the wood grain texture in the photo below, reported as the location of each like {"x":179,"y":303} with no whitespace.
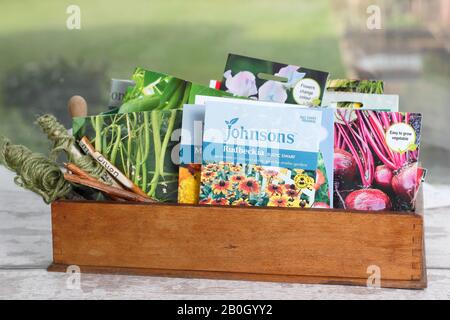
{"x":278,"y":242}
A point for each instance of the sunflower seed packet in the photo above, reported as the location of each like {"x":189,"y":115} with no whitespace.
{"x":272,"y":81}
{"x":259,"y":156}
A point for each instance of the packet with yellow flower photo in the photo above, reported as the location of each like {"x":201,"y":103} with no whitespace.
{"x":259,"y":156}
{"x":190,"y":153}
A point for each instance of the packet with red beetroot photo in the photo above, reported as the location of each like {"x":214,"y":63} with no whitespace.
{"x":376,"y":160}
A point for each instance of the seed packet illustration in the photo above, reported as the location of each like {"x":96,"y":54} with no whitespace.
{"x":272,"y":81}
{"x":259,"y":156}
{"x":376,"y":160}
{"x":324,"y":172}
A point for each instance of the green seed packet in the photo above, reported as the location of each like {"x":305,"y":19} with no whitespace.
{"x":142,"y":145}
{"x":158,"y":91}
{"x":141,"y":137}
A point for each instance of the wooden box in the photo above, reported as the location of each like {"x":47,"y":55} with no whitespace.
{"x":262,"y":244}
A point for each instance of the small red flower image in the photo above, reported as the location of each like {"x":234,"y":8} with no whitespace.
{"x":211,"y":167}
{"x":219,"y":202}
{"x":221,"y":186}
{"x":258,"y":168}
{"x":274,"y":189}
{"x":237,"y":178}
{"x":241,"y":203}
{"x":235,"y":168}
{"x":278,"y":201}
{"x":205,"y":201}
{"x":206,"y":175}
{"x":249,"y":186}
{"x":290,"y":190}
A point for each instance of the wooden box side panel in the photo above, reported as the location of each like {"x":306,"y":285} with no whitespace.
{"x":254,"y":241}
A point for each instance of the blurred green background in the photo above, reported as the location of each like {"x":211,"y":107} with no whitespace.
{"x":43,"y":63}
{"x":188,"y":39}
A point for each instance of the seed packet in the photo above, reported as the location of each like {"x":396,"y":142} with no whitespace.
{"x":191,"y":153}
{"x":376,"y":160}
{"x":259,"y":156}
{"x":158,"y":91}
{"x":272,"y":81}
{"x":117,"y":92}
{"x":360,"y":86}
{"x":191,"y":144}
{"x":324,"y":172}
{"x":355,"y":100}
{"x":141,"y":145}
{"x":141,"y":134}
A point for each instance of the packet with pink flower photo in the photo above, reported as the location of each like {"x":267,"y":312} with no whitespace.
{"x":272,"y":81}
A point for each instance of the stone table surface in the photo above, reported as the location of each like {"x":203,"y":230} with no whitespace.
{"x":26,"y":251}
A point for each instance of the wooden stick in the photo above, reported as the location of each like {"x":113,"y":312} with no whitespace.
{"x":77,"y":107}
{"x":83,"y":174}
{"x":78,"y":171}
{"x":112,"y":170}
{"x":115,"y":192}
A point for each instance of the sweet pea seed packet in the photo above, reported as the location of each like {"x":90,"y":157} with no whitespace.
{"x":259,"y":156}
{"x":272,"y":81}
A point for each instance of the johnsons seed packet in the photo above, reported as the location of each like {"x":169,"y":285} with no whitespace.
{"x":324,"y":173}
{"x":259,"y":156}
